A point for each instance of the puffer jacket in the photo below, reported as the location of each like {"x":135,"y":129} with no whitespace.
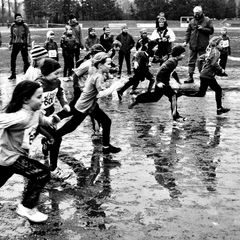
{"x":198,"y":39}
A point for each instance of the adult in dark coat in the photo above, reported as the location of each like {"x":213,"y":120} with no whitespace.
{"x":128,"y":43}
{"x":197,"y":36}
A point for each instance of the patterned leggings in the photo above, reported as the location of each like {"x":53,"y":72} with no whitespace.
{"x":36,"y":173}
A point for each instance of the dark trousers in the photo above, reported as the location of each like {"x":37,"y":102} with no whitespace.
{"x":223,"y":60}
{"x":68,"y":64}
{"x":16,"y":48}
{"x":137,"y":77}
{"x":157,"y":95}
{"x":193,"y":55}
{"x":36,"y":173}
{"x":75,"y":121}
{"x":127,"y":56}
{"x":77,"y":54}
{"x":213,"y":84}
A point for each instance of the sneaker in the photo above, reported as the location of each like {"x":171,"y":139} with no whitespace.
{"x":59,"y":174}
{"x":111,"y":149}
{"x":222,"y":110}
{"x":12,"y":77}
{"x":119,"y":95}
{"x":179,"y":119}
{"x":31,"y":214}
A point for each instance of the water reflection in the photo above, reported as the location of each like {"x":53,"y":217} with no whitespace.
{"x":160,"y":143}
{"x":202,"y":146}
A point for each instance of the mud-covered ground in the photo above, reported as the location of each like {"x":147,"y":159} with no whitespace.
{"x":170,"y":181}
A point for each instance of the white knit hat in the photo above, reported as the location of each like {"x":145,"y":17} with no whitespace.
{"x":38,"y":52}
{"x":197,"y":9}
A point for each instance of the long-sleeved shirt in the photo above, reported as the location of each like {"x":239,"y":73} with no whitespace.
{"x":165,"y":71}
{"x":18,"y":130}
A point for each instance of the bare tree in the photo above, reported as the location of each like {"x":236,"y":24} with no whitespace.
{"x":3,"y":10}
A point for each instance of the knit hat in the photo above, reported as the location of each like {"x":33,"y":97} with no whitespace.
{"x":38,"y":52}
{"x":71,"y":16}
{"x":49,"y":65}
{"x":17,"y":15}
{"x":197,"y":9}
{"x":97,"y":48}
{"x":49,"y":33}
{"x":214,"y":41}
{"x":178,"y":50}
{"x":99,"y":57}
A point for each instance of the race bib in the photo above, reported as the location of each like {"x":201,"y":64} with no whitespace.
{"x":225,"y":43}
{"x":52,"y":53}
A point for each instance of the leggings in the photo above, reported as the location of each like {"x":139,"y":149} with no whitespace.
{"x":157,"y":95}
{"x":213,"y":84}
{"x":36,"y":173}
{"x":74,"y":122}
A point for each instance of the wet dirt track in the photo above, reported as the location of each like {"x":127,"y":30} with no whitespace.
{"x":170,"y":181}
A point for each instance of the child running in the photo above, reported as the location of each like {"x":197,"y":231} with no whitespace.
{"x":37,"y":54}
{"x":209,"y":67}
{"x":162,"y":86}
{"x":51,"y":90}
{"x":95,"y":87}
{"x":19,"y":124}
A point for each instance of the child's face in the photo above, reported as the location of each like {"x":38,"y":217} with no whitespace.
{"x":107,"y":65}
{"x":51,"y":36}
{"x":223,"y":31}
{"x":125,"y":30}
{"x":35,"y":102}
{"x":92,"y":33}
{"x":69,"y":30}
{"x":116,"y":48}
{"x":220,"y":45}
{"x":54,"y":75}
{"x":107,"y":31}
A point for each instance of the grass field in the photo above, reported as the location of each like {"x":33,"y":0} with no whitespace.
{"x":39,"y":36}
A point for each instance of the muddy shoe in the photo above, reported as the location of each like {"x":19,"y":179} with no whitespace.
{"x":179,"y":119}
{"x":32,"y":214}
{"x":111,"y":149}
{"x":59,"y":174}
{"x":222,"y":110}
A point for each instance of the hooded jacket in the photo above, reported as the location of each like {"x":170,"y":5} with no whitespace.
{"x":198,"y":39}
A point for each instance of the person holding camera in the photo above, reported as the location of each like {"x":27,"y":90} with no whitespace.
{"x":197,"y":36}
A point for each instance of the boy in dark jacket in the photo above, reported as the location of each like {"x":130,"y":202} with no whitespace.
{"x":106,"y":39}
{"x":19,"y":42}
{"x":162,"y":86}
{"x":68,"y":44}
{"x":127,"y":42}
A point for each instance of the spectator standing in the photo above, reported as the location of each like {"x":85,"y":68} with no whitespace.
{"x":51,"y":46}
{"x":91,"y":39}
{"x":69,"y":45}
{"x":19,"y":42}
{"x":162,"y":38}
{"x":127,"y":42}
{"x":0,"y":39}
{"x":226,"y":48}
{"x":77,"y":33}
{"x":197,"y":36}
{"x":106,"y":39}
